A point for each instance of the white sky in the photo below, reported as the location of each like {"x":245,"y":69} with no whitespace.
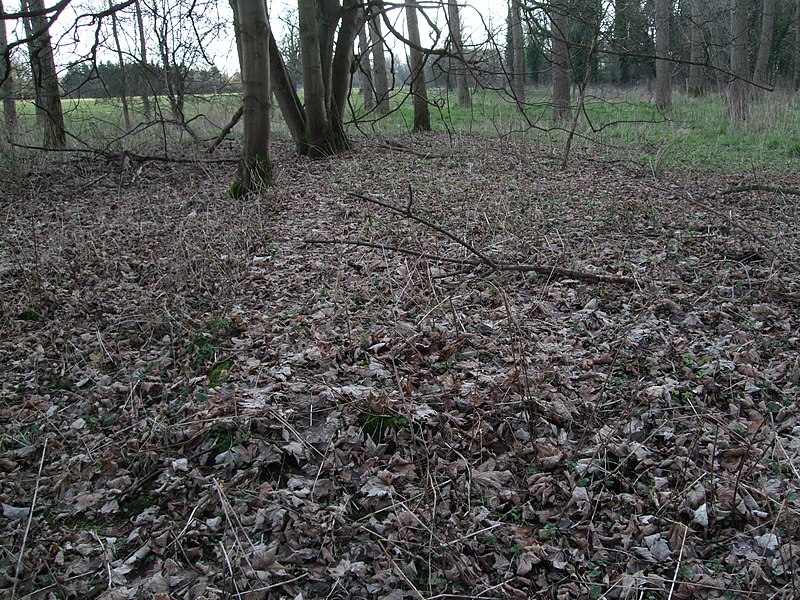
{"x":476,"y":16}
{"x":474,"y":13}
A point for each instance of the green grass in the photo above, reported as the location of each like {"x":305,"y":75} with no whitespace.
{"x":696,"y":134}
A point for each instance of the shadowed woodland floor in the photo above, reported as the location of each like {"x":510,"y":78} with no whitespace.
{"x":199,"y":403}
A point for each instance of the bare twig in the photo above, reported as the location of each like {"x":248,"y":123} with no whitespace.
{"x":758,"y":238}
{"x":226,"y":130}
{"x":28,"y":525}
{"x":758,"y":187}
{"x":400,"y":148}
{"x":546,"y":270}
{"x":678,"y":565}
{"x":407,"y":213}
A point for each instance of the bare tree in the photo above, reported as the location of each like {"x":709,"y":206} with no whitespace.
{"x":286,"y":94}
{"x":462,"y":74}
{"x":697,"y":53}
{"x":45,"y":78}
{"x":761,"y":70}
{"x":143,"y":83}
{"x":379,"y":65}
{"x":796,"y":77}
{"x":255,"y":167}
{"x":739,"y":86}
{"x":366,"y":71}
{"x":419,"y":89}
{"x":6,"y":79}
{"x":122,"y":70}
{"x":560,"y":60}
{"x":183,"y":31}
{"x":518,"y":71}
{"x":327,"y":33}
{"x":663,"y":62}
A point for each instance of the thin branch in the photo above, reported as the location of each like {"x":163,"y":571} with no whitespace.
{"x":226,"y":130}
{"x":758,"y":238}
{"x":547,"y":270}
{"x":28,"y":525}
{"x":758,"y":187}
{"x":407,"y":213}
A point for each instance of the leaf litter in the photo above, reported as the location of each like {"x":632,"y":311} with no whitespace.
{"x":220,"y":410}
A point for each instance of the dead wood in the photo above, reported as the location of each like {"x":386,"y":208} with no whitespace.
{"x":758,"y":187}
{"x":226,"y":130}
{"x":705,"y":205}
{"x":549,"y":271}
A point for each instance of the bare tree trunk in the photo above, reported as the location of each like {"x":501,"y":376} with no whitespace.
{"x":761,"y":71}
{"x":366,"y":71}
{"x":419,"y":90}
{"x":226,"y":130}
{"x":379,"y":62}
{"x":739,"y":87}
{"x":148,"y":111}
{"x":518,"y":77}
{"x":314,"y":85}
{"x":350,"y":21}
{"x":288,"y":100}
{"x":796,"y":78}
{"x":663,"y":64}
{"x":123,"y":94}
{"x":697,"y":72}
{"x":255,"y":167}
{"x":237,"y":30}
{"x":45,"y":78}
{"x":327,"y":15}
{"x":6,"y":80}
{"x":583,"y":86}
{"x":560,"y":59}
{"x":462,"y":74}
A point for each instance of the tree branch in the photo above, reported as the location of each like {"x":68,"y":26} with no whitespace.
{"x":758,"y":187}
{"x":549,"y":271}
{"x":406,"y":212}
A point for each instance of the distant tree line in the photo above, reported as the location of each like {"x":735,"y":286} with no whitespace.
{"x":736,"y":47}
{"x":109,"y":80}
{"x":625,"y":52}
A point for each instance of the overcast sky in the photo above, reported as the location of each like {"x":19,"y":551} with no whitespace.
{"x":476,"y":16}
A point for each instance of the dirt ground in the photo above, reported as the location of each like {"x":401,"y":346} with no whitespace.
{"x":309,"y":394}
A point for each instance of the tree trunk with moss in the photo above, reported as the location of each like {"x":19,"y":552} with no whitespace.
{"x":255,"y":166}
{"x":45,"y":78}
{"x":419,"y":89}
{"x":327,"y":55}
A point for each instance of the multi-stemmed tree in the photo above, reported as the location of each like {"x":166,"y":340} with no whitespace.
{"x":43,"y":69}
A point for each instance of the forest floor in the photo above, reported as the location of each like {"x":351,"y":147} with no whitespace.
{"x":198,"y":402}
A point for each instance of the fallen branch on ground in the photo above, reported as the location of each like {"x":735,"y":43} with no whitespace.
{"x":758,"y":187}
{"x":549,"y":271}
{"x":702,"y":202}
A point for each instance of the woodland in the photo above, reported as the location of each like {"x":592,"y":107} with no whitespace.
{"x":512,"y":316}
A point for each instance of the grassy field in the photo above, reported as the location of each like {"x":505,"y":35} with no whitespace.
{"x":696,"y":134}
